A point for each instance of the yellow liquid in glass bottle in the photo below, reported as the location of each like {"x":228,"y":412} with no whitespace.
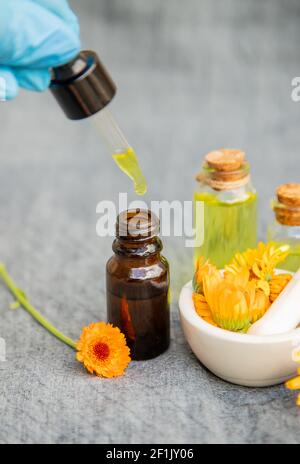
{"x":228,"y":227}
{"x":292,"y":262}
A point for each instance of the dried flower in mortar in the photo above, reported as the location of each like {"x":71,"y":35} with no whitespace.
{"x":277,"y":284}
{"x":240,"y":296}
{"x":202,"y":268}
{"x":201,"y":306}
{"x":229,"y":303}
{"x":261,"y":263}
{"x":258,"y":300}
{"x":102,"y":348}
{"x":259,"y":305}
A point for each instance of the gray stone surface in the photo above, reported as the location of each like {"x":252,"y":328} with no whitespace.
{"x":192,"y":76}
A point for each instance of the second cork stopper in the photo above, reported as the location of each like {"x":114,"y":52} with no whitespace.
{"x":287,"y":205}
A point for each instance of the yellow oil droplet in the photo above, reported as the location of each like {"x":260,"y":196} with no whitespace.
{"x":129,"y":164}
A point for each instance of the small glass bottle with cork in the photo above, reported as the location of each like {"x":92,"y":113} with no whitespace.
{"x":230,"y":206}
{"x":137,"y":280}
{"x":285,"y":229}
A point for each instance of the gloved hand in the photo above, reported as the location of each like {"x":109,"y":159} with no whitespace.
{"x":35,"y":35}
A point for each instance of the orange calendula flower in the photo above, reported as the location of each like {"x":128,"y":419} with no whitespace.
{"x":260,"y":262}
{"x":203,"y":267}
{"x":294,"y":384}
{"x":202,"y":308}
{"x":102,"y":349}
{"x":240,"y":277}
{"x":256,"y":297}
{"x":278,"y":284}
{"x":259,"y":305}
{"x":228,"y":303}
{"x":265,"y":256}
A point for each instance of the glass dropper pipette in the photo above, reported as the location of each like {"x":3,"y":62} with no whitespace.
{"x":123,"y":154}
{"x":84,"y":88}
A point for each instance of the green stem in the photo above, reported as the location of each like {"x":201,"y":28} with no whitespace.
{"x":21,"y":298}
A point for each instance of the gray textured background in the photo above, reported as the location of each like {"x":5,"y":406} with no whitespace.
{"x":192,"y":76}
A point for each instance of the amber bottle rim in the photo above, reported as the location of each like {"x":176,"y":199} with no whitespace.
{"x":137,"y":225}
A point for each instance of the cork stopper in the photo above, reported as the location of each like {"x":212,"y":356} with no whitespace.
{"x":225,"y":159}
{"x":287,"y":207}
{"x":225,"y":169}
{"x":289,"y":194}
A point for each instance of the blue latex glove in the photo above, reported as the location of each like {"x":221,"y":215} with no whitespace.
{"x":35,"y":35}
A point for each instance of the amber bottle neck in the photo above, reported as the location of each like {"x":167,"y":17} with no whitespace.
{"x":137,"y":248}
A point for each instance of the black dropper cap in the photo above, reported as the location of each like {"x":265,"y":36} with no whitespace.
{"x":83,"y":86}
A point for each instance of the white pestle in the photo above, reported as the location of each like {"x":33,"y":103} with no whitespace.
{"x":284,"y":314}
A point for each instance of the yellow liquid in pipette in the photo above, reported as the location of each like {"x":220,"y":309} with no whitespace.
{"x":129,"y":164}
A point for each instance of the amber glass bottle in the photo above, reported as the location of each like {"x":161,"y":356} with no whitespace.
{"x":137,"y":282}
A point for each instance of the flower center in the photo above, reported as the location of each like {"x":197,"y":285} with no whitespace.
{"x":101,"y":351}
